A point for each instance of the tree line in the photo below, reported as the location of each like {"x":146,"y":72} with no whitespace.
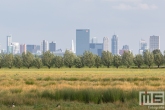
{"x":88,"y":59}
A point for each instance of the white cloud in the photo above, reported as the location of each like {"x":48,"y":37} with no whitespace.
{"x":133,"y":1}
{"x":139,"y":6}
{"x":146,"y":6}
{"x":131,"y":5}
{"x":123,"y":7}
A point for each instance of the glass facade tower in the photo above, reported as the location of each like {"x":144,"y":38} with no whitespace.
{"x":82,"y":41}
{"x":9,"y":44}
{"x":114,"y":40}
{"x":154,"y":43}
{"x":52,"y":47}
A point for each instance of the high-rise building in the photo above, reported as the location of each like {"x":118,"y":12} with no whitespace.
{"x":72,"y":47}
{"x":142,"y":46}
{"x":154,"y":43}
{"x":52,"y":47}
{"x":33,"y":48}
{"x":94,"y":40}
{"x":114,"y":46}
{"x":96,"y":48}
{"x":82,"y":41}
{"x":105,"y":44}
{"x":16,"y":48}
{"x":124,"y":49}
{"x":9,"y":44}
{"x":44,"y":46}
{"x":22,"y":48}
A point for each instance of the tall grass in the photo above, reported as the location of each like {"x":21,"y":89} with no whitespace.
{"x":96,"y":96}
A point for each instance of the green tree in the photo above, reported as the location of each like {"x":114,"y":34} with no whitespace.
{"x":164,"y":57}
{"x":1,"y":60}
{"x":156,"y":51}
{"x":158,"y":59}
{"x":69,"y":58}
{"x":88,"y":59}
{"x":37,"y":62}
{"x":27,"y":59}
{"x":148,"y":58}
{"x":127,"y":58}
{"x":58,"y":61}
{"x":9,"y":60}
{"x":97,"y":61}
{"x":138,"y":60}
{"x":78,"y":62}
{"x":47,"y":59}
{"x":82,"y":58}
{"x":107,"y":58}
{"x":18,"y":61}
{"x":117,"y":61}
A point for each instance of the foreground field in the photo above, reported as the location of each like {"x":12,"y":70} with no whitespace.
{"x":84,"y":88}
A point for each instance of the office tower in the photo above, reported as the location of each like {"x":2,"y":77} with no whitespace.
{"x":124,"y":49}
{"x":22,"y":48}
{"x":82,"y":41}
{"x":105,"y":44}
{"x":94,"y":40}
{"x":72,"y":47}
{"x":52,"y":47}
{"x":114,"y":46}
{"x":96,"y":48}
{"x":142,"y":46}
{"x":16,"y":47}
{"x":33,"y":48}
{"x":30,"y":48}
{"x":154,"y":43}
{"x":44,"y":46}
{"x":9,"y":45}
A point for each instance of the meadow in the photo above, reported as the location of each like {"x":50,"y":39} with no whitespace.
{"x":72,"y":88}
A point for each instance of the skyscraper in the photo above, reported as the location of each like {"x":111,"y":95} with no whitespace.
{"x":9,"y":44}
{"x":105,"y":44}
{"x":154,"y":43}
{"x":16,"y":48}
{"x":142,"y":46}
{"x":72,"y":47}
{"x":44,"y":46}
{"x":32,"y":48}
{"x":52,"y":47}
{"x":22,"y":48}
{"x":114,"y":46}
{"x":96,"y":48}
{"x":94,"y":40}
{"x":124,"y":49}
{"x":82,"y":41}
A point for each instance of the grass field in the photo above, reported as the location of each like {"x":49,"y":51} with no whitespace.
{"x":68,"y":89}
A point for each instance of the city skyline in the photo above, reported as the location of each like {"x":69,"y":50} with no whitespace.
{"x":115,"y":49}
{"x":32,"y":21}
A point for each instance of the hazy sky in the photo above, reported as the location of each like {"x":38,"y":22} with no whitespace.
{"x":31,"y":21}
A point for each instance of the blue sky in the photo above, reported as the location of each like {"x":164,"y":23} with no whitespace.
{"x":31,"y":21}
